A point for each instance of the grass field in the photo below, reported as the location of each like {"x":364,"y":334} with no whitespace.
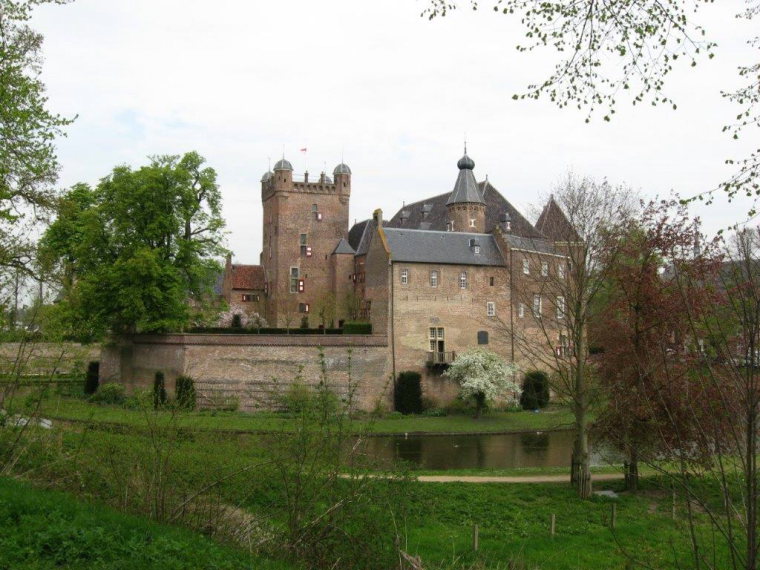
{"x":78,"y":409}
{"x":42,"y":529}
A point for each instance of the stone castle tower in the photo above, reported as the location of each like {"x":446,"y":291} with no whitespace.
{"x":303,"y":225}
{"x":466,"y":207}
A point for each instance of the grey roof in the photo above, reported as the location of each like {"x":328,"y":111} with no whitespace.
{"x":283,"y":165}
{"x":366,"y":237}
{"x":530,"y":244}
{"x":343,"y":247}
{"x":341,"y":169}
{"x":356,"y":233}
{"x":438,"y":215}
{"x":466,"y":187}
{"x":441,"y":247}
{"x":267,"y":175}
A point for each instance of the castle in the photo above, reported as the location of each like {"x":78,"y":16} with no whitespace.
{"x":451,"y":272}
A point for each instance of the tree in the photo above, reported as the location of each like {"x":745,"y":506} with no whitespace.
{"x":483,"y":376}
{"x":28,"y":163}
{"x":140,"y":247}
{"x":578,"y":219}
{"x":644,"y":326}
{"x":610,"y":52}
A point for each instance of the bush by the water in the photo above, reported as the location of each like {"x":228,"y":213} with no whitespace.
{"x":159,"y":391}
{"x":535,"y":394}
{"x":184,"y":390}
{"x":408,"y":393}
{"x":91,"y":381}
{"x":111,"y":393}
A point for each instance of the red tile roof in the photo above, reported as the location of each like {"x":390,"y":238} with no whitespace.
{"x":248,"y":277}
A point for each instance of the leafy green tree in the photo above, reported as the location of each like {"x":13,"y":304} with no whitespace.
{"x":139,"y":248}
{"x":28,"y":163}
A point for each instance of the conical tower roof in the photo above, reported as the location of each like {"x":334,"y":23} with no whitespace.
{"x":466,"y":187}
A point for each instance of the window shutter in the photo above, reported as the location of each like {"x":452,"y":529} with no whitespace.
{"x":300,"y":286}
{"x":308,"y":251}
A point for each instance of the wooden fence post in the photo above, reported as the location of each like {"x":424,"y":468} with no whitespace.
{"x":475,"y":538}
{"x":553,"y":524}
{"x":613,"y":516}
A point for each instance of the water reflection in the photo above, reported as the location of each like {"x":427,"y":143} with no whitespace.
{"x":490,"y":451}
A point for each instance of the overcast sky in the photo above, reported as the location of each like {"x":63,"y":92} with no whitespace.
{"x":394,"y":94}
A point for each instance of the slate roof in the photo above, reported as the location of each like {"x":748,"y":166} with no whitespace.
{"x":466,"y":188}
{"x":554,"y":224}
{"x":247,"y":277}
{"x":530,"y":244}
{"x":355,"y":234}
{"x":343,"y":247}
{"x":420,"y":246}
{"x":438,"y":215}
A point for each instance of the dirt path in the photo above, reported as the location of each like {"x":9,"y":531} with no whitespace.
{"x":517,"y":479}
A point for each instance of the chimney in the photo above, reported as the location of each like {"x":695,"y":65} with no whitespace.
{"x":377,"y":215}
{"x":306,"y":176}
{"x":506,"y":222}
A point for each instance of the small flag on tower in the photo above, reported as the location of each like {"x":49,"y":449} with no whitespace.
{"x":303,"y":149}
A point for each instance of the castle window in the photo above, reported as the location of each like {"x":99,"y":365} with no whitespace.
{"x":521,"y":310}
{"x":404,"y":276}
{"x":303,"y":307}
{"x":537,"y":305}
{"x":294,"y":274}
{"x":302,"y":239}
{"x":463,"y":280}
{"x":560,"y":307}
{"x":526,"y":267}
{"x":561,"y":270}
{"x":490,"y":309}
{"x":247,"y":298}
{"x":434,"y":278}
{"x":472,"y":222}
{"x":482,"y":337}
{"x":544,"y":269}
{"x":314,"y":208}
{"x":435,"y":336}
{"x":490,"y":281}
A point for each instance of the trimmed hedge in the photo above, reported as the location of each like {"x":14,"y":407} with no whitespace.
{"x":354,"y":327}
{"x":267,"y":330}
{"x":184,"y":391}
{"x":159,"y":391}
{"x":407,"y":394}
{"x":535,"y":392}
{"x":91,"y":381}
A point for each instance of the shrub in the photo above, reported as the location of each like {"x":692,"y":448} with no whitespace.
{"x":184,"y":391}
{"x":91,"y":381}
{"x":407,"y":395}
{"x":305,"y":322}
{"x":353,"y":327}
{"x":159,"y":391}
{"x":535,"y":392}
{"x":111,"y":393}
{"x":436,"y":412}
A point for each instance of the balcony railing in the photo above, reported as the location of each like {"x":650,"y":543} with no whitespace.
{"x":440,"y":358}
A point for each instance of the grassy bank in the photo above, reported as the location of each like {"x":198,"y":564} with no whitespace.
{"x":42,"y":529}
{"x":514,"y":421}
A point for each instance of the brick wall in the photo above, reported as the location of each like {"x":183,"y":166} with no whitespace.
{"x":253,"y":368}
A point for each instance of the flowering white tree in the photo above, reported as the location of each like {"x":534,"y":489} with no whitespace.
{"x":484,"y":376}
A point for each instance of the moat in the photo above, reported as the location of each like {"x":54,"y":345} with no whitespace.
{"x":481,"y":451}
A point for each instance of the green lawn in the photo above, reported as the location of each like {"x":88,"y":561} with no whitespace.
{"x":42,"y":529}
{"x":78,"y":409}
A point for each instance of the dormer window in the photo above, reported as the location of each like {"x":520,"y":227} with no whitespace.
{"x":476,"y":249}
